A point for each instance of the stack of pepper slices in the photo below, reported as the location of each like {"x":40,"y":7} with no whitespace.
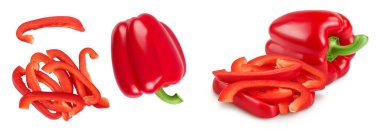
{"x":296,"y":65}
{"x":60,"y":101}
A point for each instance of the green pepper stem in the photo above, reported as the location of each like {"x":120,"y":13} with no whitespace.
{"x":335,"y":49}
{"x":175,"y":99}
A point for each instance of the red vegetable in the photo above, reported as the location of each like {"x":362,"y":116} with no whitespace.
{"x":146,"y":57}
{"x":267,"y":96}
{"x":310,"y":77}
{"x":65,"y":103}
{"x":298,"y":104}
{"x":322,"y":39}
{"x":238,"y":74}
{"x":89,"y":100}
{"x":54,"y":21}
{"x":20,"y":86}
{"x":249,"y":103}
{"x":65,"y":97}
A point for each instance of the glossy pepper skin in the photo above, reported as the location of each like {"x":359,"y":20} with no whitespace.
{"x":322,"y":39}
{"x":248,"y":103}
{"x":146,"y":56}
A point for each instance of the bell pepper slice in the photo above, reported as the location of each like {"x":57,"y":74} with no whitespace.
{"x":89,"y":99}
{"x":62,"y":76}
{"x":300,"y":103}
{"x":27,"y":99}
{"x":271,"y":95}
{"x":20,"y":86}
{"x":56,"y":105}
{"x":248,"y":103}
{"x":62,"y":56}
{"x":103,"y":103}
{"x":54,"y":21}
{"x":31,"y":78}
{"x":82,"y":61}
{"x":314,"y":79}
{"x":280,"y":74}
{"x":48,"y":81}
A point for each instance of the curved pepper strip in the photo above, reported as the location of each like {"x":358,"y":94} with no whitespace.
{"x":314,"y":79}
{"x":272,"y":95}
{"x":20,"y":86}
{"x":146,"y":57}
{"x":54,"y":53}
{"x":246,"y":72}
{"x":54,"y":21}
{"x":82,"y":61}
{"x":32,"y":82}
{"x":248,"y":103}
{"x":103,"y":103}
{"x":265,"y":102}
{"x":323,"y":39}
{"x":62,"y":76}
{"x":54,"y":87}
{"x":63,"y":79}
{"x":300,"y":103}
{"x":28,"y":98}
{"x":90,"y":99}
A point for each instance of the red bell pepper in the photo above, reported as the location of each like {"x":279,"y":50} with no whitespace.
{"x":146,"y":57}
{"x":54,"y":21}
{"x":322,"y":39}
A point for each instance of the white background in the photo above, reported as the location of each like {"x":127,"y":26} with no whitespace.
{"x":212,"y":34}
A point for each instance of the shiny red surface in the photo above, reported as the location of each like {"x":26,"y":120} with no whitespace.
{"x":304,"y":35}
{"x":146,"y":56}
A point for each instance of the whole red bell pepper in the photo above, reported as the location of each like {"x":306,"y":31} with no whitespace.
{"x":322,"y":39}
{"x":146,"y":57}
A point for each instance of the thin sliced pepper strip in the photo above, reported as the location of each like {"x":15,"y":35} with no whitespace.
{"x":272,"y":95}
{"x":240,"y":65}
{"x":319,"y":81}
{"x":284,"y":107}
{"x":103,"y":103}
{"x":20,"y":86}
{"x":45,"y":79}
{"x":62,"y":76}
{"x":54,"y":21}
{"x":82,"y":61}
{"x":33,"y":84}
{"x":90,"y":99}
{"x":248,"y":103}
{"x":56,"y":105}
{"x":62,"y":56}
{"x":27,"y":99}
{"x":298,"y":104}
{"x":285,"y":73}
{"x":31,"y":78}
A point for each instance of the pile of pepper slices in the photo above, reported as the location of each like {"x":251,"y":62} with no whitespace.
{"x":60,"y":101}
{"x":298,"y":62}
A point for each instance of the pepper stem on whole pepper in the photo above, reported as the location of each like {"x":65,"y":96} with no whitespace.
{"x":175,"y":99}
{"x":336,"y":49}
